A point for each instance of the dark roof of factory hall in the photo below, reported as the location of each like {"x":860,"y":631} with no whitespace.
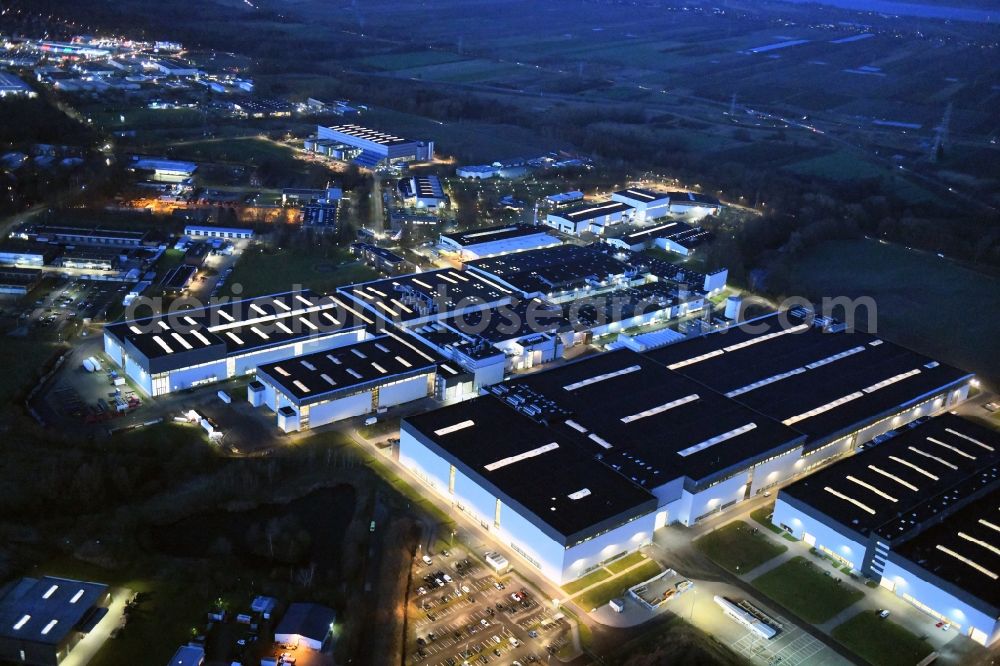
{"x":554,"y":268}
{"x":536,"y":470}
{"x":909,"y":478}
{"x":46,"y":610}
{"x":592,"y":211}
{"x":643,"y":195}
{"x":963,"y":549}
{"x":344,"y":370}
{"x":492,"y":234}
{"x":821,"y":383}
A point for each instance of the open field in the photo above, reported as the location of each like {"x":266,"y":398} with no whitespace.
{"x":623,"y":563}
{"x":594,"y":577}
{"x":736,"y":548}
{"x":801,"y":587}
{"x":881,"y":642}
{"x":318,"y":267}
{"x":933,"y":305}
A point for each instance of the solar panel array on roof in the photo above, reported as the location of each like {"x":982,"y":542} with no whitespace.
{"x":367,"y":134}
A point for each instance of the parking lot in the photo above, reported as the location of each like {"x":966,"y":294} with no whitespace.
{"x":477,"y":616}
{"x":791,"y":647}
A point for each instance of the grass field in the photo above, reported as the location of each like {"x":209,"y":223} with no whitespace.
{"x":920,"y":297}
{"x":881,"y":642}
{"x":322,"y":268}
{"x":623,"y":563}
{"x":389,"y":61}
{"x":595,"y":576}
{"x":840,"y":165}
{"x":736,"y":548}
{"x":245,"y":150}
{"x":22,"y":360}
{"x":762,"y":516}
{"x":802,"y":588}
{"x":607,"y":591}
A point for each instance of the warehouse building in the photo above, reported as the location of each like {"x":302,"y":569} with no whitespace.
{"x":18,"y":281}
{"x":838,"y":388}
{"x":362,"y":378}
{"x":14,"y":252}
{"x":368,"y":147}
{"x":594,"y":218}
{"x":188,"y":348}
{"x":211,"y":231}
{"x":907,"y":511}
{"x":428,"y":296}
{"x":638,"y":237}
{"x":693,"y":205}
{"x":43,"y":619}
{"x":69,"y":235}
{"x":11,"y":86}
{"x":163,"y":171}
{"x":422,"y":192}
{"x":568,"y":486}
{"x":649,"y":205}
{"x":493,"y":241}
{"x":477,"y":172}
{"x":561,"y":199}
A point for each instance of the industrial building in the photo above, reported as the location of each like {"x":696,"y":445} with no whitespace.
{"x":564,"y":198}
{"x":568,"y":486}
{"x":70,"y":235}
{"x":698,"y":426}
{"x":649,"y":205}
{"x":11,"y":86}
{"x":362,"y":378}
{"x":14,"y":252}
{"x":18,"y":281}
{"x":163,"y":171}
{"x":368,"y":147}
{"x":380,"y":258}
{"x":672,"y":236}
{"x":477,"y":172}
{"x":188,"y":655}
{"x":556,"y":272}
{"x":422,"y":192}
{"x":594,"y":218}
{"x":305,"y":625}
{"x":211,"y":231}
{"x":493,"y":241}
{"x":692,"y":204}
{"x":178,"y":350}
{"x":42,"y":619}
{"x":917,"y":511}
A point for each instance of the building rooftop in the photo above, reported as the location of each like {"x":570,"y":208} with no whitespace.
{"x":633,"y":234}
{"x":649,"y":423}
{"x":693,"y":198}
{"x":11,"y":83}
{"x":523,"y":317}
{"x":375,"y":136}
{"x":592,"y":211}
{"x":963,"y":549}
{"x":309,"y":620}
{"x":896,"y":486}
{"x":552,"y":269}
{"x":188,"y":655}
{"x":483,"y":235}
{"x":531,"y":468}
{"x":240,"y":326}
{"x":820,"y":383}
{"x":46,"y":610}
{"x":565,"y":197}
{"x":408,"y":297}
{"x":643,"y":195}
{"x":421,"y":186}
{"x":345,"y":370}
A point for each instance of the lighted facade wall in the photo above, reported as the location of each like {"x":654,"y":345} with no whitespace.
{"x":821,"y":532}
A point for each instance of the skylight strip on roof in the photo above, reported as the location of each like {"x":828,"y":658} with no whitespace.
{"x":860,"y":505}
{"x":401,"y":305}
{"x":162,"y":324}
{"x":184,"y":343}
{"x":281,"y":325}
{"x":135,"y":329}
{"x":580,"y":494}
{"x":718,"y":439}
{"x":281,"y":304}
{"x":382,"y":348}
{"x":764,"y":382}
{"x":891,"y":380}
{"x":304,"y":301}
{"x":491,"y":283}
{"x":653,"y":411}
{"x":50,"y":592}
{"x":695,"y":359}
{"x":915,"y":468}
{"x":259,"y":310}
{"x":950,"y":447}
{"x":260,"y":333}
{"x":961,"y":558}
{"x":376,"y":291}
{"x":190,"y":321}
{"x":325,"y":377}
{"x":600,"y":440}
{"x":868,"y":486}
{"x":408,"y":344}
{"x":357,"y":352}
{"x":20,"y":623}
{"x":765,"y":338}
{"x":446,"y":278}
{"x":979,"y":542}
{"x":385,"y":307}
{"x":932,"y":457}
{"x":643,"y":232}
{"x":354,"y":312}
{"x":402,"y":361}
{"x":448,"y":368}
{"x":458,"y":276}
{"x":225,"y":315}
{"x":966,"y":437}
{"x":421,"y":283}
{"x":235,"y":338}
{"x":600,"y":378}
{"x":307,"y":365}
{"x":835,"y":357}
{"x":461,"y":425}
{"x":76,"y":597}
{"x":49,"y":627}
{"x":300,"y":386}
{"x":992,"y":526}
{"x":281,"y":371}
{"x":380,"y":368}
{"x":889,"y":475}
{"x":163,"y":345}
{"x":823,"y":408}
{"x":333,"y":320}
{"x":308,"y":324}
{"x":362,"y":294}
{"x":510,"y":460}
{"x":354,"y":373}
{"x":575,"y":426}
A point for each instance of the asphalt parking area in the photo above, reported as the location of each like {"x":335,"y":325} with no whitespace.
{"x":791,"y":647}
